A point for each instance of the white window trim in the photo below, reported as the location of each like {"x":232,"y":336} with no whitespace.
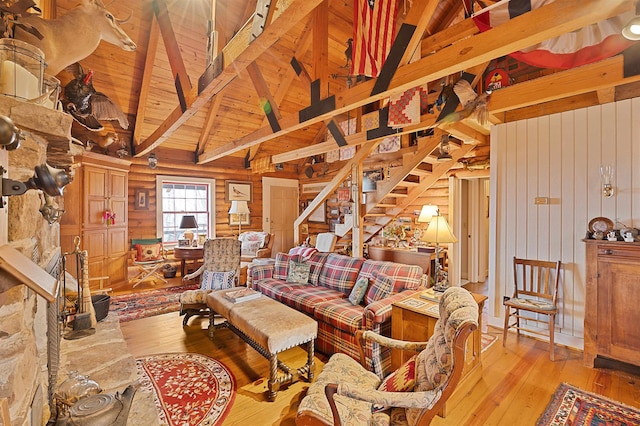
{"x":161,"y":179}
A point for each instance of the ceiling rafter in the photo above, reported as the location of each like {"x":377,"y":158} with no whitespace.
{"x":237,"y":55}
{"x":147,"y":73}
{"x":549,"y":21}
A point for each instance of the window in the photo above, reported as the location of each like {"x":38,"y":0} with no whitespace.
{"x":179,"y":196}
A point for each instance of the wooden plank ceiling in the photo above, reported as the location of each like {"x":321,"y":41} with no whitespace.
{"x":228,"y":118}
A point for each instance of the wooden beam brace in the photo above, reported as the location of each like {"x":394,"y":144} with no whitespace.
{"x":214,"y":107}
{"x":549,"y":21}
{"x":180,"y":76}
{"x":237,"y":55}
{"x":145,"y":85}
{"x":320,"y":52}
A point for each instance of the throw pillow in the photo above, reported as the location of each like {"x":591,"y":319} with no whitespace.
{"x":401,"y":380}
{"x":148,"y":252}
{"x":298,"y":272}
{"x":281,"y":267}
{"x":358,"y":291}
{"x":381,"y":287}
{"x":213,"y":280}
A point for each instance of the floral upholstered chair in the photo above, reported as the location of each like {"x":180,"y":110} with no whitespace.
{"x":220,"y":269}
{"x":345,"y":393}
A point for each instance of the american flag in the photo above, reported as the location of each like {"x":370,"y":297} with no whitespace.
{"x":373,"y":33}
{"x":589,"y":44}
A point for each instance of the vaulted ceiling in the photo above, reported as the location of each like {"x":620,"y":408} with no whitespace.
{"x":225,"y":116}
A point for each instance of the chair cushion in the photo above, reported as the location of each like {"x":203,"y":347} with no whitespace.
{"x":298,"y":272}
{"x":148,"y":252}
{"x":525,"y":303}
{"x":381,"y":287}
{"x":250,"y":248}
{"x":192,"y":297}
{"x":281,"y":267}
{"x":261,"y":237}
{"x":213,"y":280}
{"x":401,"y":380}
{"x":358,"y":291}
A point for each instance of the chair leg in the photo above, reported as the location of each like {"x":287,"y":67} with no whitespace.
{"x":187,"y":315}
{"x":552,"y":322}
{"x":506,"y":325}
{"x":212,"y":326}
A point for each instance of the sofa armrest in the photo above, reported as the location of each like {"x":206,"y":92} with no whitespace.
{"x":380,"y":311}
{"x":258,"y":273}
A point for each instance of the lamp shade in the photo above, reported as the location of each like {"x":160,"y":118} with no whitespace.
{"x":188,"y":222}
{"x":239,"y":207}
{"x":438,"y":231}
{"x":427,"y":212}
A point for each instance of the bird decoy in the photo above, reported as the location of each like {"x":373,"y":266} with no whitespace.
{"x":472,"y":103}
{"x":88,"y":106}
{"x":348,"y":52}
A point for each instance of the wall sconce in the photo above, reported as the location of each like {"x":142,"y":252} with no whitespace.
{"x":10,"y":135}
{"x":606,"y":175}
{"x":444,"y":149}
{"x":153,"y":161}
{"x":50,"y":210}
{"x":631,"y":31}
{"x":49,"y":180}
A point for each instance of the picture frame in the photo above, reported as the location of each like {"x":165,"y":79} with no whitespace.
{"x":332,"y":225}
{"x":235,"y":190}
{"x":344,"y":194}
{"x":142,"y":200}
{"x":369,"y":179}
{"x":304,"y":228}
{"x":319,"y":214}
{"x":184,"y":243}
{"x":235,"y":219}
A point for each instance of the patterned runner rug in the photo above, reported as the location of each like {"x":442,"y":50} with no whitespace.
{"x":572,"y":406}
{"x":148,"y":303}
{"x":188,"y":389}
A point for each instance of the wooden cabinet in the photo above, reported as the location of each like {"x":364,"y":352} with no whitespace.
{"x":612,"y":298}
{"x":100,"y":186}
{"x":425,"y":260}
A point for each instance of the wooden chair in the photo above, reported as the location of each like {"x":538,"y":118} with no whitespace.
{"x":536,"y":291}
{"x":345,"y":391}
{"x":149,"y":257}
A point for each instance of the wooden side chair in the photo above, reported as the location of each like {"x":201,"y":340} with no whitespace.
{"x":536,"y":291}
{"x":345,"y":392}
{"x":220,"y":269}
{"x":149,"y":257}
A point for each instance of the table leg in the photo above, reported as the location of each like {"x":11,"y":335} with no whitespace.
{"x":182,"y":267}
{"x":274,"y":384}
{"x":311,"y":365}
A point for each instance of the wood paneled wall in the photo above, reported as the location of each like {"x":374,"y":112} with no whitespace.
{"x":559,"y":157}
{"x":142,"y":223}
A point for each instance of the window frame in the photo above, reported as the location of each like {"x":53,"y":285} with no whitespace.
{"x":162,"y":179}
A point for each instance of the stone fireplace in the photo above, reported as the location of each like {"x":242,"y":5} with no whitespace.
{"x":24,"y":340}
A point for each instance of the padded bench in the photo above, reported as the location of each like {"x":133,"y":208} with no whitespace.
{"x":270,"y":328}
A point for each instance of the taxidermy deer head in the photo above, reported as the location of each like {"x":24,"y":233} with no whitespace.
{"x":73,"y":36}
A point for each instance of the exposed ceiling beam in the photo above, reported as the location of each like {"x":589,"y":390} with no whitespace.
{"x":237,"y":55}
{"x":214,"y":107}
{"x":147,"y":73}
{"x":549,"y":21}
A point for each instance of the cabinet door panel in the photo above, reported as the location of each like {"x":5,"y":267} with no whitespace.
{"x":95,"y":243}
{"x":95,"y":187}
{"x":118,"y":198}
{"x":118,"y":241}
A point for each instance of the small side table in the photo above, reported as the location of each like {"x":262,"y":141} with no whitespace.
{"x":187,"y":253}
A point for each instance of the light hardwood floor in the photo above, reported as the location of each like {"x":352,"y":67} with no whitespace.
{"x":517,"y":382}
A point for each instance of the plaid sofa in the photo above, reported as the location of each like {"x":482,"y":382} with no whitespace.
{"x":325,"y":297}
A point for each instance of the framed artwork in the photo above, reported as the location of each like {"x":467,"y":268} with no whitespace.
{"x":238,"y":191}
{"x":370,"y":178}
{"x":319,"y":214}
{"x":239,"y":219}
{"x":344,"y":194}
{"x":142,"y":200}
{"x":184,"y":243}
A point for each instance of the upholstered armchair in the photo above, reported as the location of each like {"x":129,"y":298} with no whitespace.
{"x":256,"y":245}
{"x":345,"y":393}
{"x":220,"y":269}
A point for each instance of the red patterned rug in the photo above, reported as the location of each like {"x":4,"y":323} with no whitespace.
{"x":572,"y":406}
{"x":188,"y":389}
{"x":148,"y":303}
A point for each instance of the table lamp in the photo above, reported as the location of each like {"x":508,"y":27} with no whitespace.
{"x":241,"y":209}
{"x":438,"y":232}
{"x":188,"y":222}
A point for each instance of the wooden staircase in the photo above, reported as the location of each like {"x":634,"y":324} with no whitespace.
{"x":419,"y":171}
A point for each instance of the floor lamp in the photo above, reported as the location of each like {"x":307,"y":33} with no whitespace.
{"x":438,"y":232}
{"x":239,"y":208}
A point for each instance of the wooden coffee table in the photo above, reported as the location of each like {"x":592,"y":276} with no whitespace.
{"x":269,"y":327}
